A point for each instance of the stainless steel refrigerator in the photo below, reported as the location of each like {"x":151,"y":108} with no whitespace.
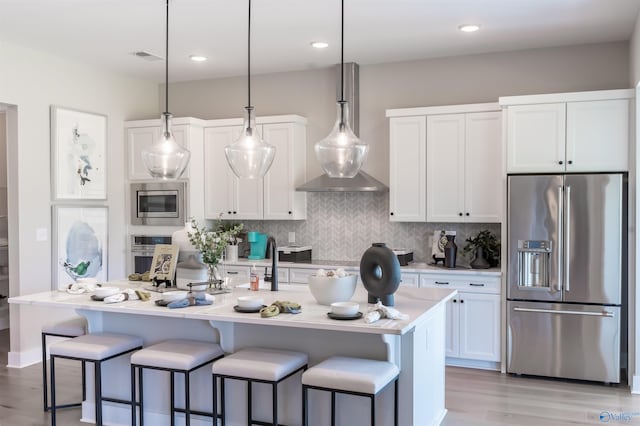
{"x":567,"y":250}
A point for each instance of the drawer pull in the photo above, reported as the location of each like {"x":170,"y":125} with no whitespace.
{"x":442,"y":282}
{"x":232,"y":272}
{"x":476,"y":285}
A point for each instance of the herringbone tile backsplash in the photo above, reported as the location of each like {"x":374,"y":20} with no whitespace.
{"x":342,"y":225}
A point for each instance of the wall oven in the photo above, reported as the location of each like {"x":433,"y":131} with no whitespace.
{"x":159,"y":203}
{"x":142,"y":247}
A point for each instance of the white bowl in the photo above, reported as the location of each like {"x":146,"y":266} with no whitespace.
{"x":106,"y":291}
{"x":170,"y":296}
{"x":250,"y":302}
{"x":345,"y":308}
{"x":328,"y":290}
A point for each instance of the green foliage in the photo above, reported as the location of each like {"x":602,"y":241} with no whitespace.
{"x":489,"y":244}
{"x":212,"y":243}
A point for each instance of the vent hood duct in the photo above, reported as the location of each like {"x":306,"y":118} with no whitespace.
{"x":362,"y":182}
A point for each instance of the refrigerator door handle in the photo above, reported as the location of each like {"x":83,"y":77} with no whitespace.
{"x":560,"y":237}
{"x":552,"y":311}
{"x":567,"y":241}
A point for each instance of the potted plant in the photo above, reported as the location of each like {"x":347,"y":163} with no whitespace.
{"x":484,"y":248}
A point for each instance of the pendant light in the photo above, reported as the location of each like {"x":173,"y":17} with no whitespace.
{"x":249,"y":156}
{"x":166,"y":159}
{"x":341,"y":153}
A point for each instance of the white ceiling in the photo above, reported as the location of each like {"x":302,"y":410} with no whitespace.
{"x":106,"y":32}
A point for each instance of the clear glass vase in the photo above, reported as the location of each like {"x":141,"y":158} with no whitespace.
{"x":213,"y":276}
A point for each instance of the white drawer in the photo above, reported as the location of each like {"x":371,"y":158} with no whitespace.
{"x":470,"y":283}
{"x":300,"y":275}
{"x":239,"y":272}
{"x":410,"y":279}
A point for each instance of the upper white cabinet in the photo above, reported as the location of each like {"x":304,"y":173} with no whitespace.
{"x":143,"y":133}
{"x":568,"y":132}
{"x":274,"y":196}
{"x":463,"y":167}
{"x":407,"y":169}
{"x":445,"y":164}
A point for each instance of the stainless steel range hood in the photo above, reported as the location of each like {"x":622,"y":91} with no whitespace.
{"x":362,"y":182}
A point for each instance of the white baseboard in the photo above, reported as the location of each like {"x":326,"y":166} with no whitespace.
{"x":635,"y":384}
{"x":24,"y":358}
{"x":472,"y":363}
{"x":114,"y":414}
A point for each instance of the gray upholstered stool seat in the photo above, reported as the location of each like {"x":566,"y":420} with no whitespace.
{"x":354,"y":376}
{"x":259,"y":365}
{"x":95,"y":348}
{"x":73,"y":327}
{"x":173,"y":356}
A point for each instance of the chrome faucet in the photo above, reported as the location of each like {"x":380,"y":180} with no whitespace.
{"x":271,"y":242}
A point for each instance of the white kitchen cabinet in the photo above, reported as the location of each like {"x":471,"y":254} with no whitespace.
{"x":225,"y":193}
{"x":463,"y":167}
{"x":473,"y":318}
{"x":288,"y":171}
{"x":570,"y":132}
{"x":410,"y":279}
{"x":407,"y":169}
{"x":142,"y":134}
{"x":274,"y":196}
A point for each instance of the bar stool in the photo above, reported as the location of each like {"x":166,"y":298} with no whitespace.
{"x":352,"y":376}
{"x":70,"y":328}
{"x":96,"y":348}
{"x":258,"y":365}
{"x":174,"y":356}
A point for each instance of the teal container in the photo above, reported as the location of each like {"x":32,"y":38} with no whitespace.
{"x":258,"y":245}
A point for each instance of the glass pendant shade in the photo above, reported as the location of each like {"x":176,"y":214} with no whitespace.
{"x":341,"y":154}
{"x":249,"y":156}
{"x":166,"y":159}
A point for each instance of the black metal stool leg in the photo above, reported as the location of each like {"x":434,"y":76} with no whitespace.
{"x":222,"y":404}
{"x":44,"y":372}
{"x":141,"y":396}
{"x":305,"y":392}
{"x":187,"y":406}
{"x":275,"y":403}
{"x":373,"y":410}
{"x":333,"y":408}
{"x":215,"y":401}
{"x":53,"y":391}
{"x":133,"y":395}
{"x":173,"y":402}
{"x":249,"y":399}
{"x":395,"y":404}
{"x":84,"y":381}
{"x":98,"y":391}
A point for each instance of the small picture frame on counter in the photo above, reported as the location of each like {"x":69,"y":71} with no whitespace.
{"x":163,"y":265}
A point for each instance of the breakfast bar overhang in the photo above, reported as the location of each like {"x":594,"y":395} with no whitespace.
{"x":416,"y":345}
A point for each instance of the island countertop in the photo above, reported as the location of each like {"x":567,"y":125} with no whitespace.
{"x":415,"y":302}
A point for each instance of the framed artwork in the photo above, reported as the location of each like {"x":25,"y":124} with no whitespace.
{"x":79,"y":244}
{"x":163,"y":265}
{"x":78,"y":155}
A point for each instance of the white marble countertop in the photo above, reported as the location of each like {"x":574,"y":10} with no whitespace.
{"x":416,"y":267}
{"x":415,"y":302}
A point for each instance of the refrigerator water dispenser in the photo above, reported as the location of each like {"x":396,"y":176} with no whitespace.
{"x":533,"y":263}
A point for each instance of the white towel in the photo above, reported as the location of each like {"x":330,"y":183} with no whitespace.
{"x":380,"y":311}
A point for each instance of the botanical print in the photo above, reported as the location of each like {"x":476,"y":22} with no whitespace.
{"x":81,"y":243}
{"x":78,"y":154}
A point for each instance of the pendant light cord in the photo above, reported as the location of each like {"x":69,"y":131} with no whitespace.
{"x":249,"y":58}
{"x":342,"y":54}
{"x":166,"y":63}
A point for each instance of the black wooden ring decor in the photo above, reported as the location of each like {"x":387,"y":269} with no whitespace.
{"x":380,"y":273}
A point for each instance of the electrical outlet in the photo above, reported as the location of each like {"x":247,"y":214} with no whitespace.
{"x":292,"y":238}
{"x":41,"y":234}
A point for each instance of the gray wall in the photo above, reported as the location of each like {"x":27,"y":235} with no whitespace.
{"x":444,"y":81}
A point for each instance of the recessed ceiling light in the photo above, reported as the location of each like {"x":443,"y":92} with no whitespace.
{"x":469,"y":28}
{"x":198,"y":58}
{"x":319,"y":44}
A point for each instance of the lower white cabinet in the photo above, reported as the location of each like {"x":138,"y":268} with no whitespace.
{"x":472,"y":318}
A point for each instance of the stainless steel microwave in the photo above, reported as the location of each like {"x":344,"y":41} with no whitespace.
{"x":159,"y":203}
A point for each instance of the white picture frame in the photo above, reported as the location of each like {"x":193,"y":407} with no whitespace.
{"x":80,"y":244}
{"x":78,"y":154}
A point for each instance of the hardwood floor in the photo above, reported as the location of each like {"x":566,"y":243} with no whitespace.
{"x":473,"y":397}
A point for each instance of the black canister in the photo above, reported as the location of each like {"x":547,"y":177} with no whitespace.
{"x":450,"y":252}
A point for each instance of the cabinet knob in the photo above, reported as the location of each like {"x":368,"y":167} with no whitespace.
{"x":570,"y":161}
{"x":235,"y":212}
{"x":290,"y":212}
{"x":560,"y":162}
{"x":462,"y":301}
{"x":391,"y":213}
{"x":455,"y":301}
{"x":467,"y":214}
{"x":229,"y":212}
{"x":460,"y":214}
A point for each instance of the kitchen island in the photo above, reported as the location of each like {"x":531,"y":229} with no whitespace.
{"x":416,"y":345}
